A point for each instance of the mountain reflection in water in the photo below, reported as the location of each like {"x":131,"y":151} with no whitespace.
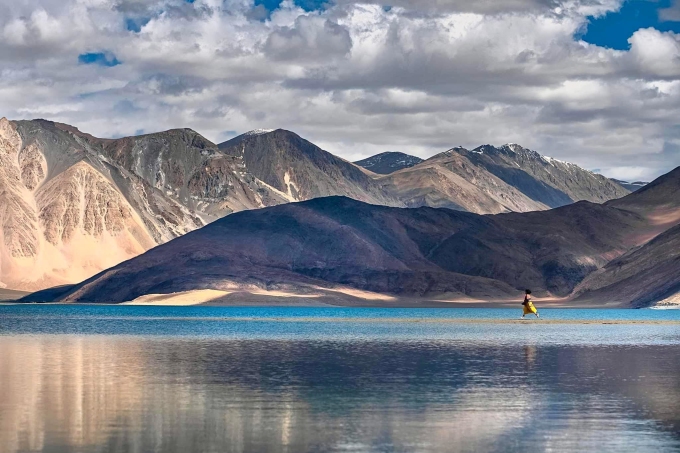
{"x":139,"y":394}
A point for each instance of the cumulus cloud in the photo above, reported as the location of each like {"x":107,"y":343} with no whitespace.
{"x":310,"y":39}
{"x":656,"y":53}
{"x":355,"y":77}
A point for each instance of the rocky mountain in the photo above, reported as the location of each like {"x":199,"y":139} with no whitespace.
{"x":73,"y":204}
{"x":301,"y":170}
{"x":389,"y":162}
{"x":450,"y":180}
{"x":493,"y":180}
{"x":338,"y":242}
{"x":632,"y":186}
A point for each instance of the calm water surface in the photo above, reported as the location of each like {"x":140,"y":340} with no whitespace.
{"x":199,"y":379}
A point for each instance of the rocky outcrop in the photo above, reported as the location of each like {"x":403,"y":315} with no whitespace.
{"x":389,"y":162}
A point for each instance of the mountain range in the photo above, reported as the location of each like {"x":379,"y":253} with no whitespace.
{"x":74,"y":205}
{"x":585,"y":250}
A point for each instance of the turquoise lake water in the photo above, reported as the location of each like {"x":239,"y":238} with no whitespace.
{"x":87,"y":378}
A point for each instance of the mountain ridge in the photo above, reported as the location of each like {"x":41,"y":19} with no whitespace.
{"x":67,"y":192}
{"x":334,"y":242}
{"x":388,"y":162}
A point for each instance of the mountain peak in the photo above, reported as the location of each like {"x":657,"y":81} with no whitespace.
{"x":388,"y":162}
{"x":258,"y":132}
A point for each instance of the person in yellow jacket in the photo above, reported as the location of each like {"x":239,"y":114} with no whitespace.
{"x":527,"y":305}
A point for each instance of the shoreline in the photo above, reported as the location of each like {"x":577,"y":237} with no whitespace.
{"x":344,"y":297}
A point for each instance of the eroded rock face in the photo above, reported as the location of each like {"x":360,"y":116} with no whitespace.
{"x":33,"y":166}
{"x":17,"y":212}
{"x":82,"y":200}
{"x":65,"y":228}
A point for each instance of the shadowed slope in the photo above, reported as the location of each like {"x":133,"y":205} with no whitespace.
{"x":320,"y":242}
{"x":639,"y":278}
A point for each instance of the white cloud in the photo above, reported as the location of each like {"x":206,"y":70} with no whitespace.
{"x":355,"y":78}
{"x":655,"y":52}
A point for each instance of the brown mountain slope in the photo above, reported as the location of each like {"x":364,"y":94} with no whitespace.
{"x":493,"y":180}
{"x":642,"y":277}
{"x":544,"y":179}
{"x":414,"y":252}
{"x":301,"y":169}
{"x":650,"y":273}
{"x":450,"y":180}
{"x":59,"y":226}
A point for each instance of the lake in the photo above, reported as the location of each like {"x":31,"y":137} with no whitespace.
{"x":88,"y":378}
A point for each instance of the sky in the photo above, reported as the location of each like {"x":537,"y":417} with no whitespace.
{"x":594,"y":82}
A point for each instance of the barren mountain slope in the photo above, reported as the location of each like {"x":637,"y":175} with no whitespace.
{"x":544,"y":179}
{"x":59,"y":227}
{"x":489,"y":180}
{"x":301,"y":169}
{"x":650,"y":273}
{"x":450,"y":180}
{"x":318,"y":243}
{"x":642,"y":277}
{"x":75,"y":204}
{"x":412,"y":252}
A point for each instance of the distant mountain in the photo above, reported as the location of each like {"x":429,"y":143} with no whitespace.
{"x":389,"y":162}
{"x":301,"y":170}
{"x":338,"y":242}
{"x":632,"y":186}
{"x":492,"y":180}
{"x":451,"y":180}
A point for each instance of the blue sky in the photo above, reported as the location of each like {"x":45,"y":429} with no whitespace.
{"x":99,"y":58}
{"x":307,"y":5}
{"x":614,"y":29}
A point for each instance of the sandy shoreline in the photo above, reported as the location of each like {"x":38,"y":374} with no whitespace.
{"x":318,"y":297}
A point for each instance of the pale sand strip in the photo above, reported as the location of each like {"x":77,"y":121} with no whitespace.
{"x":185,"y":298}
